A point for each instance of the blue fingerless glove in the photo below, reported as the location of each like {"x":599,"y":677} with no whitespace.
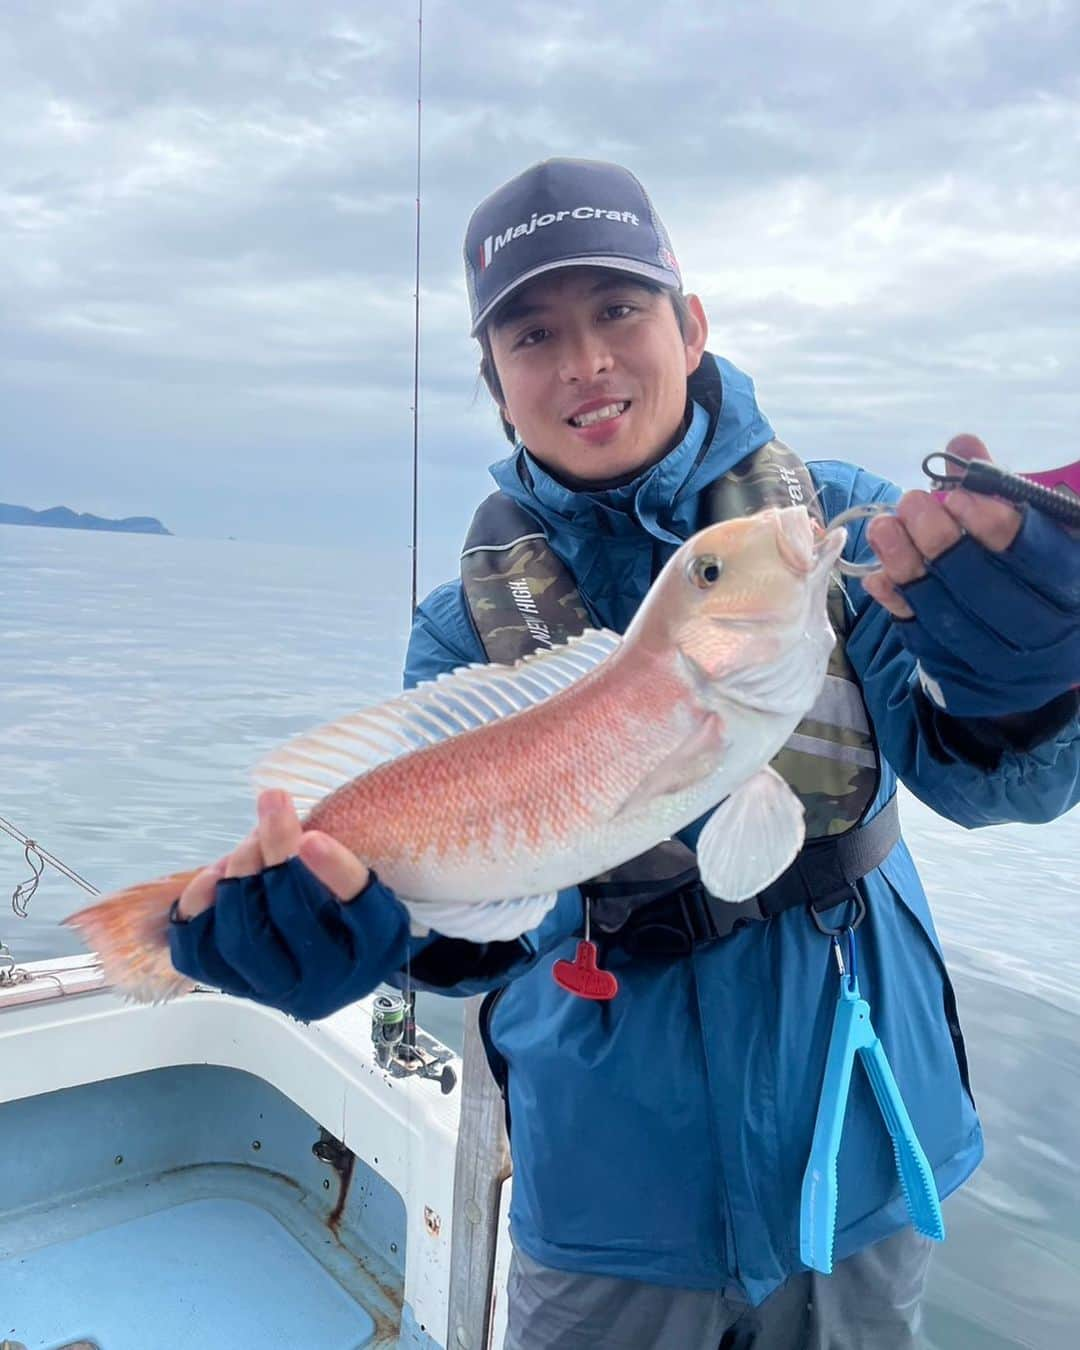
{"x":998,"y":633}
{"x":280,"y":937}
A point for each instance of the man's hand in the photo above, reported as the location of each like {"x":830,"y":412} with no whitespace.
{"x":289,"y":918}
{"x":276,"y":838}
{"x":924,"y":528}
{"x":985,"y":597}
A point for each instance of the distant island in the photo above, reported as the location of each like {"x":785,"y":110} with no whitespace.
{"x":63,"y":518}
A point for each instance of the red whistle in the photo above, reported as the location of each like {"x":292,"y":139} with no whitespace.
{"x":583,"y":977}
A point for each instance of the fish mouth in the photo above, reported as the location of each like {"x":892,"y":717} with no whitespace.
{"x":828,"y":545}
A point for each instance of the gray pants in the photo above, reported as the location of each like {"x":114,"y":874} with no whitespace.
{"x":871,"y":1301}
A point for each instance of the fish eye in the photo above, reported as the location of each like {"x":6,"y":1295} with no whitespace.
{"x":704,"y":571}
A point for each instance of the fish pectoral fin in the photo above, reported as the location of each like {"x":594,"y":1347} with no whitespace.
{"x":692,"y":760}
{"x":751,"y":837}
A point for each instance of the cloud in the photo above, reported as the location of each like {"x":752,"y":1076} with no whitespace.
{"x":207,"y":247}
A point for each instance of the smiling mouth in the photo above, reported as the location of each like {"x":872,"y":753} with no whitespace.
{"x":604,"y":414}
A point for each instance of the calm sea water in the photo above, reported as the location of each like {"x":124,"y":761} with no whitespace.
{"x":141,"y":677}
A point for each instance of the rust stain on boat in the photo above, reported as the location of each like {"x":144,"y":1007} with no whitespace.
{"x":387,"y":1320}
{"x":345,"y":1170}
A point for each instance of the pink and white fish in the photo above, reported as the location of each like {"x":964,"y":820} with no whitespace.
{"x":479,"y":795}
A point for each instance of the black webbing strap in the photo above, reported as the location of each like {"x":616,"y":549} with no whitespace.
{"x":825,"y":870}
{"x":821,"y":877}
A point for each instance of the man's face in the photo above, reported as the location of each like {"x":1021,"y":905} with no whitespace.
{"x":593,"y":371}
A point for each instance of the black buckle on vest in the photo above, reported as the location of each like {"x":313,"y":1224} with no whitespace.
{"x":678,"y":923}
{"x":820,"y":880}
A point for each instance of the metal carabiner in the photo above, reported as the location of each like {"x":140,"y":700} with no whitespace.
{"x":855,"y":898}
{"x":946,"y":480}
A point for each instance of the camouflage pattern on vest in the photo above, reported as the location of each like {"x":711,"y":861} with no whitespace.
{"x":523,"y":597}
{"x":835,"y":792}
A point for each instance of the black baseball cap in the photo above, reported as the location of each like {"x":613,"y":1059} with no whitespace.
{"x":563,"y":213}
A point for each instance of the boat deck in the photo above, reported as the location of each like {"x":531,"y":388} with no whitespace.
{"x":197,"y":1259}
{"x":250,"y":1254}
{"x":208,"y":1174}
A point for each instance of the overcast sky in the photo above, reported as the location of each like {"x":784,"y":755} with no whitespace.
{"x":207,"y":215}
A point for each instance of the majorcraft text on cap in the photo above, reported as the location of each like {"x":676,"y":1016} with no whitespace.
{"x":561,"y":213}
{"x":494,"y":242}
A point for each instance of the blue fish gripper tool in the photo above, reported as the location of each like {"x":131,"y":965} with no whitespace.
{"x":853,"y":1033}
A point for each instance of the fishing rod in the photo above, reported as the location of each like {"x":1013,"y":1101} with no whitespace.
{"x":415,"y":550}
{"x":409,"y":1028}
{"x":393,"y":1015}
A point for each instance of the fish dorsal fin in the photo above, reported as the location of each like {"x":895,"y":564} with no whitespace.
{"x":315,"y":764}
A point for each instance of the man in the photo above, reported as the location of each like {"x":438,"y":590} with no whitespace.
{"x":659,"y":1139}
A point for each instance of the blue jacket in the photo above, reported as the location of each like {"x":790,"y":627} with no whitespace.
{"x":663,"y":1136}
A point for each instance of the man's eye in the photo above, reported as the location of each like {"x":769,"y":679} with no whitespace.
{"x":532,"y":337}
{"x":618,"y":311}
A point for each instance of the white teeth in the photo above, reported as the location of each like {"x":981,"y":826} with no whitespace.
{"x":599,"y":415}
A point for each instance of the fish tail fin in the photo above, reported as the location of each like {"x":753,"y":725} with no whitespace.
{"x":130,"y":933}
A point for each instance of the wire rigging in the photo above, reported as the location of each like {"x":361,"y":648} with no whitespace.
{"x":36,"y":857}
